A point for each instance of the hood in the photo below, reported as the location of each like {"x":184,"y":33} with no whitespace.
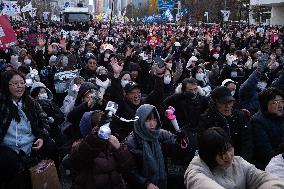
{"x":41,"y":85}
{"x":82,"y":90}
{"x":139,"y":126}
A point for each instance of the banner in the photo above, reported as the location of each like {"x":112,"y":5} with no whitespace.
{"x":63,"y":79}
{"x":226,"y":15}
{"x":31,"y":39}
{"x":153,"y":40}
{"x":7,"y":35}
{"x":162,"y":5}
{"x":32,"y":12}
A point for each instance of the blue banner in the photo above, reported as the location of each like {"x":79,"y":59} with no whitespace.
{"x":166,"y":5}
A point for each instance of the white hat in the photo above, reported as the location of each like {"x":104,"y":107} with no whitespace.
{"x":177,"y":44}
{"x":53,"y":58}
{"x":227,"y":81}
{"x":192,"y":59}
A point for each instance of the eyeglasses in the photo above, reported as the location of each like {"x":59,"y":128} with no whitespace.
{"x":277,"y":102}
{"x":92,"y":62}
{"x":17,"y":84}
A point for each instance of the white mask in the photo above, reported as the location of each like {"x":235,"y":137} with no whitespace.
{"x":43,"y":96}
{"x":107,"y":55}
{"x":234,"y":74}
{"x":27,"y":61}
{"x":167,"y":80}
{"x":200,"y":76}
{"x":124,"y":83}
{"x":216,"y":56}
{"x":261,"y":85}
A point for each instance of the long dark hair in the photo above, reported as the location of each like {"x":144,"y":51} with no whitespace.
{"x":212,"y":142}
{"x":5,"y":95}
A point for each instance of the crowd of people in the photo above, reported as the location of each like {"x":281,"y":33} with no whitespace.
{"x":224,"y":84}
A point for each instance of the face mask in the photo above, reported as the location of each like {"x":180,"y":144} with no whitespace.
{"x":43,"y":96}
{"x":233,"y":92}
{"x":27,"y":61}
{"x":107,"y":55}
{"x":216,"y":56}
{"x":14,"y":59}
{"x":261,"y":85}
{"x":124,"y":83}
{"x":234,"y":74}
{"x":189,"y":95}
{"x":167,"y":80}
{"x":200,"y":76}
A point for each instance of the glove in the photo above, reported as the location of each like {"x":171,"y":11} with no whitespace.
{"x":262,"y":62}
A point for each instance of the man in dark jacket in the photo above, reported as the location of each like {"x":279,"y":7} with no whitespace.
{"x":268,"y":126}
{"x":221,"y":113}
{"x":129,"y":99}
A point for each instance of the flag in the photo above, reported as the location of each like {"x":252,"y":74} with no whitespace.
{"x":226,"y":15}
{"x":32,"y":12}
{"x":7,"y":35}
{"x":67,"y":4}
{"x":11,"y":8}
{"x":27,"y":8}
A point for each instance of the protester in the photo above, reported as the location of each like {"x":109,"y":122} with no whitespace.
{"x":145,"y":143}
{"x":23,"y":127}
{"x":216,"y":159}
{"x":267,"y":125}
{"x":221,"y":113}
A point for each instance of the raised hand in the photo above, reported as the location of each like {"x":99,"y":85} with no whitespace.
{"x":117,"y":69}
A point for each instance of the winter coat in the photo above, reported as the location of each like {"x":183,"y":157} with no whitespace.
{"x":268,"y":134}
{"x":275,"y":166}
{"x":133,"y":177}
{"x":87,"y":74}
{"x":98,"y":165}
{"x":33,"y":111}
{"x":236,"y":126}
{"x":248,"y":93}
{"x":240,"y":174}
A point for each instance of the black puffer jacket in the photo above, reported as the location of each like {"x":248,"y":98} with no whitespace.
{"x":237,"y":127}
{"x":268,"y":134}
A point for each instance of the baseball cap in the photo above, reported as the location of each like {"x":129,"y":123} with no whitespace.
{"x":222,"y":95}
{"x":130,"y":86}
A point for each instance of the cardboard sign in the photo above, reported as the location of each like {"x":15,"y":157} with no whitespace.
{"x":153,"y":40}
{"x":63,"y":79}
{"x":31,"y":39}
{"x":7,"y":35}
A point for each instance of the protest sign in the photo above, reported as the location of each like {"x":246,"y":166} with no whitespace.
{"x":153,"y":40}
{"x":7,"y":35}
{"x":31,"y":39}
{"x":63,"y":79}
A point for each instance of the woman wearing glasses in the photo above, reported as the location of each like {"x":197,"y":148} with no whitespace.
{"x":268,"y":126}
{"x":22,"y":123}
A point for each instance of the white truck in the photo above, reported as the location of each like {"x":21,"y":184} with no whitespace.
{"x":76,"y":14}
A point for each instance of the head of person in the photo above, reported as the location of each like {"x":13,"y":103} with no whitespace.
{"x":167,"y":76}
{"x":189,"y":86}
{"x":89,"y":47}
{"x":134,"y":69}
{"x":132,"y":93}
{"x":198,"y":73}
{"x":272,"y":101}
{"x":231,"y":85}
{"x":92,"y":63}
{"x":223,"y":100}
{"x":40,"y":91}
{"x":28,"y":60}
{"x":148,"y":124}
{"x":215,"y":148}
{"x":86,"y":91}
{"x":125,"y":78}
{"x":13,"y":85}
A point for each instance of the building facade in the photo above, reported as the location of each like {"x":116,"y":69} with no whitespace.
{"x":277,"y":11}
